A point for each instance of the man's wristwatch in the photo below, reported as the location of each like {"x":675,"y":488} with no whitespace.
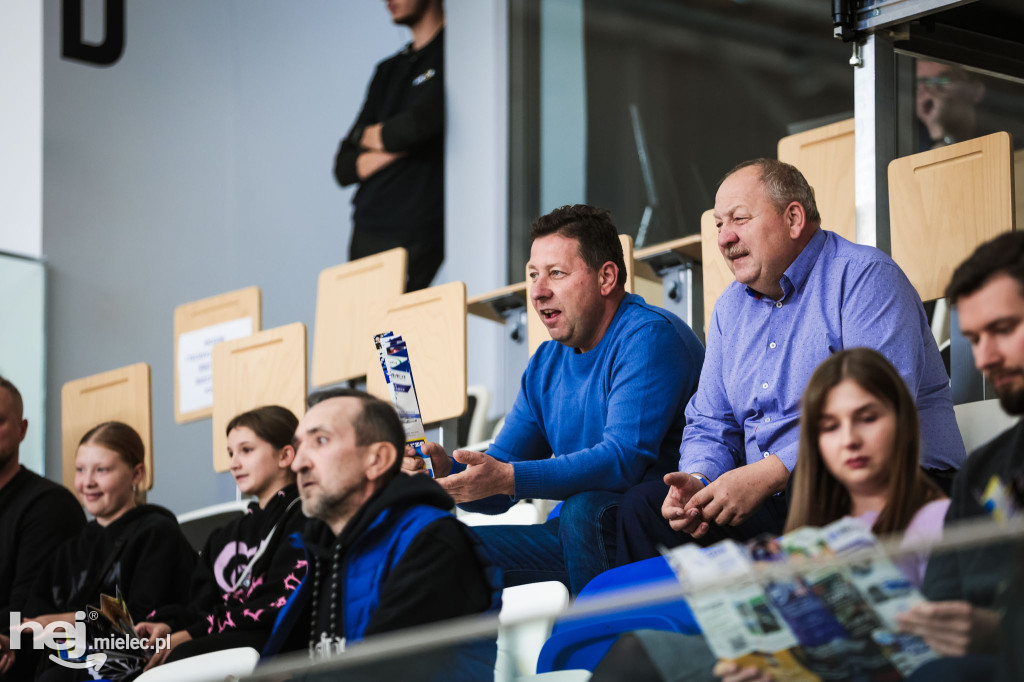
{"x":702,"y":478}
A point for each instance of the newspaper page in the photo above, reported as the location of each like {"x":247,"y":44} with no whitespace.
{"x":886,"y":590}
{"x":851,"y":651}
{"x":741,"y":623}
{"x":394,"y":361}
{"x":818,"y":623}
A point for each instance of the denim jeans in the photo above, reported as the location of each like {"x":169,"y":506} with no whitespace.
{"x":571,"y":549}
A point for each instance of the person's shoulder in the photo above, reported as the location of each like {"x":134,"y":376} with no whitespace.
{"x":640,"y":316}
{"x":850,"y":254}
{"x":151,"y":517}
{"x":43,"y":485}
{"x":1003,"y":451}
{"x":929,"y":518}
{"x":449,"y":530}
{"x":41,"y":493}
{"x":636,"y":312}
{"x":392,"y":59}
{"x":857,"y":266}
{"x":28,"y":482}
{"x":460,"y":542}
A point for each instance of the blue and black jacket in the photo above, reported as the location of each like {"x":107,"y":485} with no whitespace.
{"x":405,"y":561}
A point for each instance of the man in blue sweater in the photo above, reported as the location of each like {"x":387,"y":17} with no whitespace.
{"x":605,"y":396}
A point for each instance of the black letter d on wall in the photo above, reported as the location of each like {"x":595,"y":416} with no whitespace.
{"x":103,"y":54}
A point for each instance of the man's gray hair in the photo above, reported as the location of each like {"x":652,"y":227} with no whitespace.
{"x":783,"y":184}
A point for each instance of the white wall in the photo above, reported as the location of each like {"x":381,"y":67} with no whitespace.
{"x":22,"y":282}
{"x":476,"y":171}
{"x":21,"y":127}
{"x":23,"y":348}
{"x":201,"y":162}
{"x":563,"y":105}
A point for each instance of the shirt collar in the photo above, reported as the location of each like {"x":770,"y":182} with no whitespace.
{"x":798,"y":271}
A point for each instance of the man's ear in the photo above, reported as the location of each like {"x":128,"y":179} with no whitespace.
{"x":796,"y":220}
{"x":607,"y":277}
{"x":24,"y":430}
{"x":379,"y":459}
{"x":285,"y":457}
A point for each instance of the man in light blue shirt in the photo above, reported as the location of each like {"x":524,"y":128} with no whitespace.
{"x":801,"y":293}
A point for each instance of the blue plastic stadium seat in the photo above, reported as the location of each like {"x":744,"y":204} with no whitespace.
{"x":580,"y":643}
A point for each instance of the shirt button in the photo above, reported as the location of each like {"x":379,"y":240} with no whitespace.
{"x":764,"y":385}
{"x":766,"y":455}
{"x":772,"y":344}
{"x":778,"y":304}
{"x":767,"y":420}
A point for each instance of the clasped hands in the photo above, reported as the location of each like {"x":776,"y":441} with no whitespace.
{"x":691,"y":507}
{"x":484,"y":475}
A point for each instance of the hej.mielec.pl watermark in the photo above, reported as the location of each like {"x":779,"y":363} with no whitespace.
{"x":70,"y":639}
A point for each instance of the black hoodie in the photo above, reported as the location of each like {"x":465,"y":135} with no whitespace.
{"x":214,"y":607}
{"x":405,"y":199}
{"x":152,"y":568}
{"x":440,"y":575}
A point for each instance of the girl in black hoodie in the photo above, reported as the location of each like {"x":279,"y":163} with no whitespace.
{"x":247,"y":569}
{"x":132,"y":548}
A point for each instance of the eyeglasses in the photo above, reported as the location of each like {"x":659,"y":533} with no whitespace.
{"x":939,"y":84}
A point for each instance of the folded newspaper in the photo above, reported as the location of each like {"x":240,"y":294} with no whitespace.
{"x":112,"y":650}
{"x":394,"y":360}
{"x":820,"y":622}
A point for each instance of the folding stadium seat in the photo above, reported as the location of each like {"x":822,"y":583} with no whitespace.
{"x":212,"y":666}
{"x":527,"y":614}
{"x":582,"y":642}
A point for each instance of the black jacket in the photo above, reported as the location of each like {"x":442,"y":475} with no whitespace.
{"x":440,"y":575}
{"x":152,"y":568}
{"x":36,"y":517}
{"x":406,"y":95}
{"x":978,"y":575}
{"x":214,"y":607}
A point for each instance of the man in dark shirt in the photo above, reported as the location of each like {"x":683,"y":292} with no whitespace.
{"x":36,"y":515}
{"x":967,"y":589}
{"x":395,"y":149}
{"x":384,"y":553}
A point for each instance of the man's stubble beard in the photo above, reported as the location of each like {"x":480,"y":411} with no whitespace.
{"x":414,"y":16}
{"x":1012,"y":402}
{"x":327,"y":507}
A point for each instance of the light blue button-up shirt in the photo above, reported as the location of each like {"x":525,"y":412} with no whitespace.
{"x":760,"y":354}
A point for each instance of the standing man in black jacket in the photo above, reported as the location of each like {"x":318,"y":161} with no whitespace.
{"x":395,"y":149}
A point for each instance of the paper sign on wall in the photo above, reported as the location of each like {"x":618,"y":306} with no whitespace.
{"x":195,"y":366}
